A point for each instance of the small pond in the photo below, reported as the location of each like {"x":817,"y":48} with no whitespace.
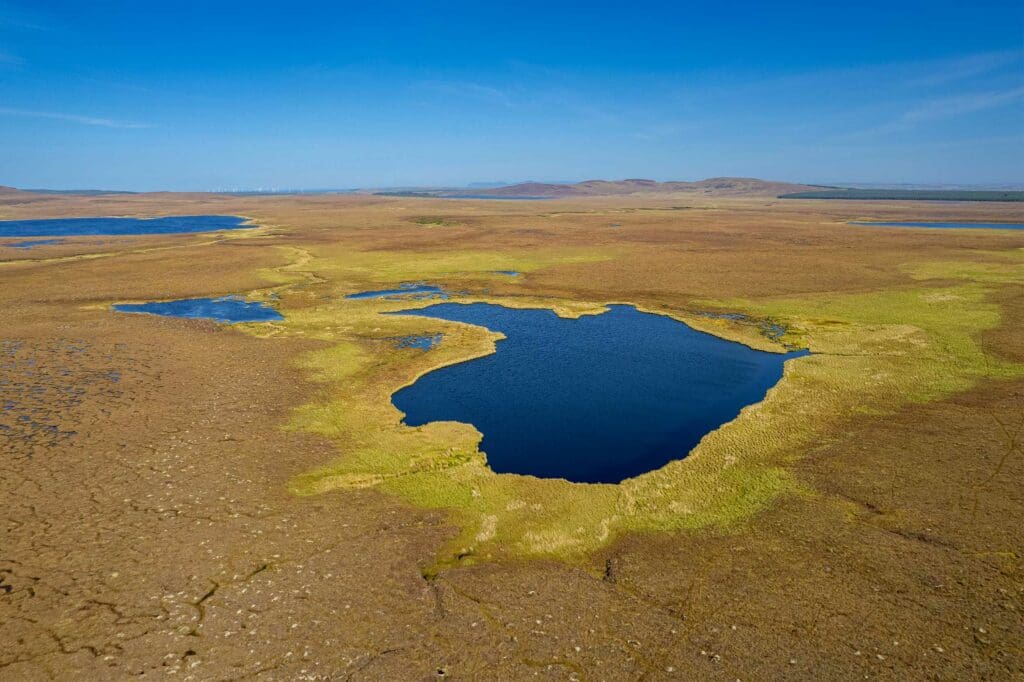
{"x":418,"y":341}
{"x":227,"y":309}
{"x":411,"y":290}
{"x":31,"y":244}
{"x":70,"y":227}
{"x":772,"y":330}
{"x":974,"y":226}
{"x":597,"y":399}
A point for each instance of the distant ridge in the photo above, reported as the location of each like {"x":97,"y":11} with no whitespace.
{"x":12,"y":196}
{"x":710,"y":186}
{"x":79,"y":192}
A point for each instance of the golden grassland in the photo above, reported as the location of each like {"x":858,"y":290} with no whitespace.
{"x":886,"y":327}
{"x":238,"y":484}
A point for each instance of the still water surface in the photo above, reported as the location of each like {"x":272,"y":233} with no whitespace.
{"x":70,"y":227}
{"x":597,"y":399}
{"x":227,"y":309}
{"x":413,"y":290}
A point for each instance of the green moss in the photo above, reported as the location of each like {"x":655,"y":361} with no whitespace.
{"x":403,"y":266}
{"x":873,"y":352}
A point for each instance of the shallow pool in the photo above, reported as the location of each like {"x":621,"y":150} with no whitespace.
{"x":31,"y":244}
{"x":597,"y":399}
{"x":418,"y":341}
{"x":413,"y":290}
{"x":228,"y":309}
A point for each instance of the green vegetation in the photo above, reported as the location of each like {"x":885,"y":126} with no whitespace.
{"x":910,"y":195}
{"x":873,"y":353}
{"x":434,"y":221}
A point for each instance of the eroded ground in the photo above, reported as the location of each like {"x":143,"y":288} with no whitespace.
{"x":182,"y":497}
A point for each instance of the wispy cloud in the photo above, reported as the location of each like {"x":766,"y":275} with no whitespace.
{"x":947,"y":71}
{"x":979,"y":68}
{"x":465,"y":89}
{"x":73,"y":118}
{"x":948,"y":107}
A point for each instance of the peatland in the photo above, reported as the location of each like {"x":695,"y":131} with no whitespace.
{"x":226,"y":502}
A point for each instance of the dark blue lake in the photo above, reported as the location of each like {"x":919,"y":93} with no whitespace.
{"x":71,"y":227}
{"x":975,"y":226}
{"x":228,"y":309}
{"x":598,"y":399}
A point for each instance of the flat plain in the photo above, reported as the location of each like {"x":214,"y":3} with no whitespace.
{"x":224,"y":501}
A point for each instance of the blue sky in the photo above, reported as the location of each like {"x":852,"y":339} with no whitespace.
{"x":226,"y":95}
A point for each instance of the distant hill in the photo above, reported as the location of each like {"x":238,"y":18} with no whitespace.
{"x":711,"y":186}
{"x":12,"y":196}
{"x":14,"y":192}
